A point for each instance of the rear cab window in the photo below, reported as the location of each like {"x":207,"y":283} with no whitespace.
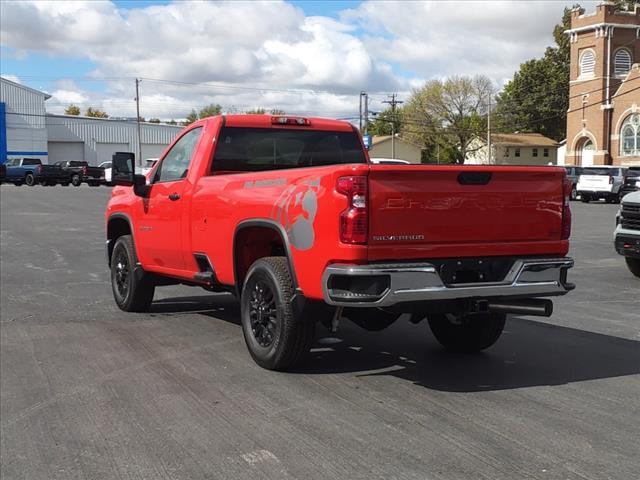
{"x":242,"y":149}
{"x":31,"y":161}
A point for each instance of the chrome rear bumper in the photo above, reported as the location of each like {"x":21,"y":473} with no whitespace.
{"x":421,"y":282}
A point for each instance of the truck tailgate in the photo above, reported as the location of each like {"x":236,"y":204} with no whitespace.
{"x":462,"y":211}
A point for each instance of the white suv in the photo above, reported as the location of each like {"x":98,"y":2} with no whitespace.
{"x":627,"y":234}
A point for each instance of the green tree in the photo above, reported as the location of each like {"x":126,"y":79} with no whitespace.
{"x":387,"y":121}
{"x":192,"y":117}
{"x":277,"y":111}
{"x":72,"y":110}
{"x":256,"y":111}
{"x":154,"y":120}
{"x":210,"y":110}
{"x":627,"y":5}
{"x":96,"y":113}
{"x":537,"y":98}
{"x":447,"y":115}
{"x":172,"y":122}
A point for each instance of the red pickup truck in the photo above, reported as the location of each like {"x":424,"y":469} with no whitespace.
{"x":289,"y":214}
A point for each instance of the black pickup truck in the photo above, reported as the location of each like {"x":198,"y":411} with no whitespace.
{"x":79,"y":172}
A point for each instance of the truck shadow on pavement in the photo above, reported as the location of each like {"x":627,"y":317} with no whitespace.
{"x":529,"y":353}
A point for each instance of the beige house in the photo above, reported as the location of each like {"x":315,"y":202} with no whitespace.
{"x":516,"y":149}
{"x":383,"y":147}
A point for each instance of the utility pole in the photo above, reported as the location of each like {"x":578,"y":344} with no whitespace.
{"x":489,"y":132}
{"x":362,"y":94}
{"x":366,"y":113}
{"x":138,"y":121}
{"x":393,"y":102}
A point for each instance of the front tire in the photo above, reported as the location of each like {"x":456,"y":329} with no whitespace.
{"x":469,"y":333}
{"x":633,"y":264}
{"x":584,"y":198}
{"x":76,"y":181}
{"x":574,"y":193}
{"x":276,"y":339}
{"x":132,"y":289}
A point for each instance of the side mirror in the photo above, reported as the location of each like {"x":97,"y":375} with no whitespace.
{"x":123,"y":169}
{"x":123,"y":173}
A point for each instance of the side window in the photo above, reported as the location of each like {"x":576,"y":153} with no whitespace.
{"x":175,"y":164}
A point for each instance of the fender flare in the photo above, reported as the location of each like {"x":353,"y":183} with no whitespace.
{"x":111,"y":242}
{"x":273,"y":225}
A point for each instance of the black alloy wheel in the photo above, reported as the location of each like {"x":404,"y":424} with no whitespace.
{"x":263,"y":314}
{"x":276,"y":337}
{"x":121,"y":273}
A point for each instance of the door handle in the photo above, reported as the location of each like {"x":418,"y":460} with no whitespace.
{"x":174,"y":197}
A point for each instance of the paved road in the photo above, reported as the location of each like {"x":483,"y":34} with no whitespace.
{"x":90,"y":392}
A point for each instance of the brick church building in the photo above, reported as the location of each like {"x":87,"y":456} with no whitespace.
{"x":603,"y":121}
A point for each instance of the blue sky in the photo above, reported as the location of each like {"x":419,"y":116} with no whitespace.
{"x":87,"y":52}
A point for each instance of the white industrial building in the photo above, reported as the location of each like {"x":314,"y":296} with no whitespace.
{"x":26,"y":130}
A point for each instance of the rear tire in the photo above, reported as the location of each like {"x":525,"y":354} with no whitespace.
{"x":470,"y":333}
{"x":574,"y":193}
{"x":29,"y":179}
{"x":276,"y":339}
{"x":633,"y":264}
{"x":76,"y":181}
{"x":132,"y":288}
{"x":585,"y":198}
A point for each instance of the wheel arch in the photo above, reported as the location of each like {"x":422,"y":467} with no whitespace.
{"x":247,"y":230}
{"x":119,"y":224}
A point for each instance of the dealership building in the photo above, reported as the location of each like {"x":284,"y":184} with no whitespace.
{"x":27,"y":131}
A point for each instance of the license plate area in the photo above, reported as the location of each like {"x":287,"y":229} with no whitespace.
{"x":476,"y":270}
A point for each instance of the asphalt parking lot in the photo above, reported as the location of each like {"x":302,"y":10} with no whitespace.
{"x":89,"y":392}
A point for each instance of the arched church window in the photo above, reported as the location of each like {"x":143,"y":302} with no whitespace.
{"x":622,"y":62}
{"x":630,"y":136}
{"x":587,"y":63}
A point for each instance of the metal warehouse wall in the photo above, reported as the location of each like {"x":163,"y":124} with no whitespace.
{"x":24,"y":122}
{"x":102,"y":137}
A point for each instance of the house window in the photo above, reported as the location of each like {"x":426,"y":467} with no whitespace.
{"x":587,"y":63}
{"x":506,"y":152}
{"x":622,"y":62}
{"x":535,"y":152}
{"x":545,"y":152}
{"x":630,"y":136}
{"x":517,"y":152}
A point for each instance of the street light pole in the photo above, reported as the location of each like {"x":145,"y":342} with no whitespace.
{"x":138,"y":121}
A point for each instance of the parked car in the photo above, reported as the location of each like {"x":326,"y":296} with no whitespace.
{"x":601,"y":182}
{"x":627,"y":234}
{"x":106,"y":166}
{"x":79,"y":172}
{"x":149,"y":163}
{"x":289,"y":214}
{"x":573,"y":174}
{"x":31,"y":171}
{"x":631,"y":181}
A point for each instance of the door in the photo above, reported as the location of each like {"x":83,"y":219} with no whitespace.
{"x":59,"y":151}
{"x":160,"y":232}
{"x":104,"y":151}
{"x":587,"y":154}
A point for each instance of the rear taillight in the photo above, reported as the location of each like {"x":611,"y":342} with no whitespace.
{"x":353,"y":220}
{"x":38,"y":168}
{"x":84,"y":170}
{"x":610,"y":180}
{"x":566,"y":209}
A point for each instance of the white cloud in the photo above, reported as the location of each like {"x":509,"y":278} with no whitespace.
{"x":274,"y":46}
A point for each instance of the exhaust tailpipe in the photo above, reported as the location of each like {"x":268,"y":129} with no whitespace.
{"x":535,"y":307}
